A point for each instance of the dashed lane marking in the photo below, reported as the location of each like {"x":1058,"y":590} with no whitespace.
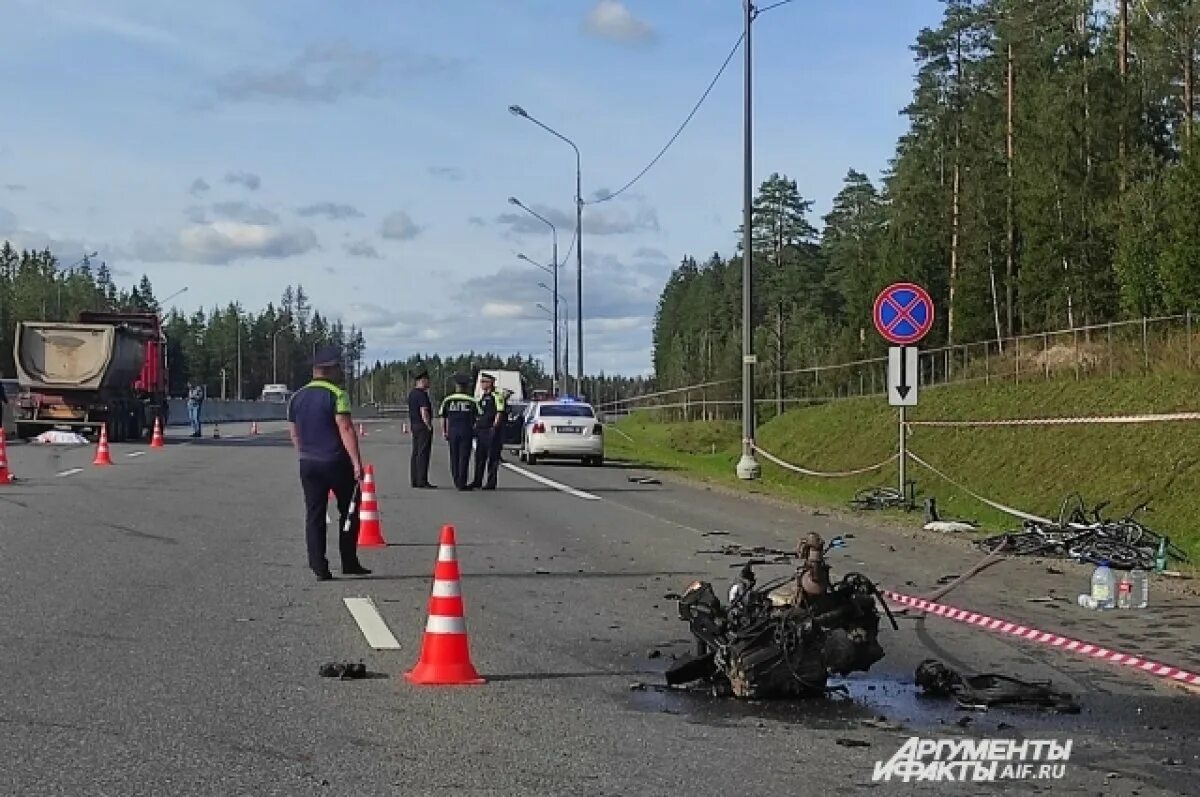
{"x":378,"y":635}
{"x":70,"y":472}
{"x":551,"y":483}
{"x":136,"y":454}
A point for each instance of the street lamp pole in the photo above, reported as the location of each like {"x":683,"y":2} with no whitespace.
{"x":239,"y":354}
{"x":517,"y":110}
{"x":747,"y":467}
{"x":554,"y":271}
{"x":275,"y":356}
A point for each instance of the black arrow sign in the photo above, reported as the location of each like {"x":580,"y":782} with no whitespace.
{"x":903,"y":387}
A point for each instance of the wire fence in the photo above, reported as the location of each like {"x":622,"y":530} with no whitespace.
{"x":1164,"y":344}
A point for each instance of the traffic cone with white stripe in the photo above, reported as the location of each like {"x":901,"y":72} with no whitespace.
{"x":6,"y":476}
{"x":253,"y":428}
{"x":103,"y":457}
{"x":445,"y":652}
{"x":156,"y":440}
{"x":362,"y":430}
{"x":370,"y":532}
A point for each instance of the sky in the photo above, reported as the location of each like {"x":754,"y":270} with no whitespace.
{"x":364,"y":149}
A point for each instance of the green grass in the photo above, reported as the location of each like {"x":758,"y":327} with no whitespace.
{"x":1031,"y":468}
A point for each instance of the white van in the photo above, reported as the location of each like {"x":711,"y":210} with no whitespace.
{"x":505,"y":380}
{"x":275,"y":393}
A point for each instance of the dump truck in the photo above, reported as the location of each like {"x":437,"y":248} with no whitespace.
{"x":109,"y":369}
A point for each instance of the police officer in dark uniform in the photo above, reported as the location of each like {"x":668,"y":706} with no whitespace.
{"x":459,"y":412}
{"x":489,"y":433}
{"x":420,"y":424}
{"x":323,"y":435}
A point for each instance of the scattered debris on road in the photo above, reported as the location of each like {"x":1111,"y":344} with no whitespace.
{"x":934,"y":522}
{"x":852,"y":743}
{"x":981,"y":692}
{"x":644,"y":480}
{"x":783,"y":638}
{"x":345,"y":670}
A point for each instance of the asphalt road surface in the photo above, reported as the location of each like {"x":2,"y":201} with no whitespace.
{"x":162,"y":635}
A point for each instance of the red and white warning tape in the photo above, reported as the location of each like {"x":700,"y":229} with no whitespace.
{"x":823,"y":474}
{"x":1118,"y":419}
{"x":1045,"y":637}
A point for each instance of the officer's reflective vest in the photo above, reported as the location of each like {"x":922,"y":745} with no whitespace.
{"x":460,"y":407}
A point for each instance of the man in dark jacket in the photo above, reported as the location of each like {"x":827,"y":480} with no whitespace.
{"x":420,"y":425}
{"x":323,"y":435}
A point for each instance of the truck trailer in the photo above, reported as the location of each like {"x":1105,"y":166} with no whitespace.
{"x":109,"y":369}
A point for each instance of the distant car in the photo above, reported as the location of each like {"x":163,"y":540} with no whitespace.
{"x":278,"y":394}
{"x":562,"y":429}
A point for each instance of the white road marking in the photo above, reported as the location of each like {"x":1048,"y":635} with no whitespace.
{"x":551,"y":483}
{"x":378,"y":635}
{"x":71,"y":472}
{"x":137,"y":454}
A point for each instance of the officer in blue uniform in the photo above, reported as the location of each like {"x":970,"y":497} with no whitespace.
{"x":459,"y":413}
{"x":323,"y":436}
{"x":489,"y":433}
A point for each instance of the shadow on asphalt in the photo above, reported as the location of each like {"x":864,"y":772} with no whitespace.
{"x":478,"y":574}
{"x":554,"y":676}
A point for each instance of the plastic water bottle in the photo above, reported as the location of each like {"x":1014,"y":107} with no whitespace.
{"x":1141,"y":588}
{"x":1104,"y":586}
{"x":1087,"y":601}
{"x":1160,"y":556}
{"x":1125,"y":591}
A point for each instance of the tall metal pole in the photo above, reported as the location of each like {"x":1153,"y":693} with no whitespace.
{"x":554,"y":263}
{"x":578,"y":271}
{"x":748,"y":467}
{"x":239,"y":355}
{"x":903,"y":450}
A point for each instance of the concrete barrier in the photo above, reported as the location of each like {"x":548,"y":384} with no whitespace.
{"x":218,"y":411}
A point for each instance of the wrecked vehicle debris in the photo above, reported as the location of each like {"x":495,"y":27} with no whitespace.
{"x":785,"y":637}
{"x":990,"y":689}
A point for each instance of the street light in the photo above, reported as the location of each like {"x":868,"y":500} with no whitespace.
{"x":517,"y":110}
{"x":512,"y":200}
{"x":747,"y":467}
{"x":532,"y":262}
{"x":566,"y":338}
{"x":179,"y":292}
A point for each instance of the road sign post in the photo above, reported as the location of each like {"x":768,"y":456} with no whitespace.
{"x":903,"y":315}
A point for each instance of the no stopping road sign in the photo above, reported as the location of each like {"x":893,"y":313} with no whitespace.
{"x":903,"y":313}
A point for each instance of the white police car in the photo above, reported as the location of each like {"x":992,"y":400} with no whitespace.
{"x":562,"y":429}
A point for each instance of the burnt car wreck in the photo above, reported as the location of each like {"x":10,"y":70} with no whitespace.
{"x":784,"y":637}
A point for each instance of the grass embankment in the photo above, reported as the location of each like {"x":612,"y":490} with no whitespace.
{"x":1031,"y":468}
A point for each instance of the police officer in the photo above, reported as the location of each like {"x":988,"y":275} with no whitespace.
{"x":489,"y":433}
{"x":420,"y":424}
{"x":323,"y":435}
{"x":459,"y":412}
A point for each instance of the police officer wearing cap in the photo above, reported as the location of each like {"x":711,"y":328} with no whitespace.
{"x":420,"y":424}
{"x":489,"y":433}
{"x":322,"y":433}
{"x":459,"y":412}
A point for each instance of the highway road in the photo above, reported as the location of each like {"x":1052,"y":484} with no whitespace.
{"x":163,"y":635}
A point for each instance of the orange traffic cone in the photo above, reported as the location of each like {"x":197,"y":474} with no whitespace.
{"x":370,"y":532}
{"x":156,"y":441}
{"x":102,"y":455}
{"x":6,"y":476}
{"x":405,"y":428}
{"x":445,"y":651}
{"x":254,"y":427}
{"x":362,"y":430}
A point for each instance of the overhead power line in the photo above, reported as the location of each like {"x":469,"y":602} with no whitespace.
{"x":679,"y":131}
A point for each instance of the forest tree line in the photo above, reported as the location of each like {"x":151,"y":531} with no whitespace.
{"x":202,"y":348}
{"x":1048,"y":180}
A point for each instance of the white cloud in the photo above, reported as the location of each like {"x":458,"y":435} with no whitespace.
{"x":612,"y":20}
{"x":502,"y":310}
{"x":399,"y":226}
{"x":222,"y":242}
